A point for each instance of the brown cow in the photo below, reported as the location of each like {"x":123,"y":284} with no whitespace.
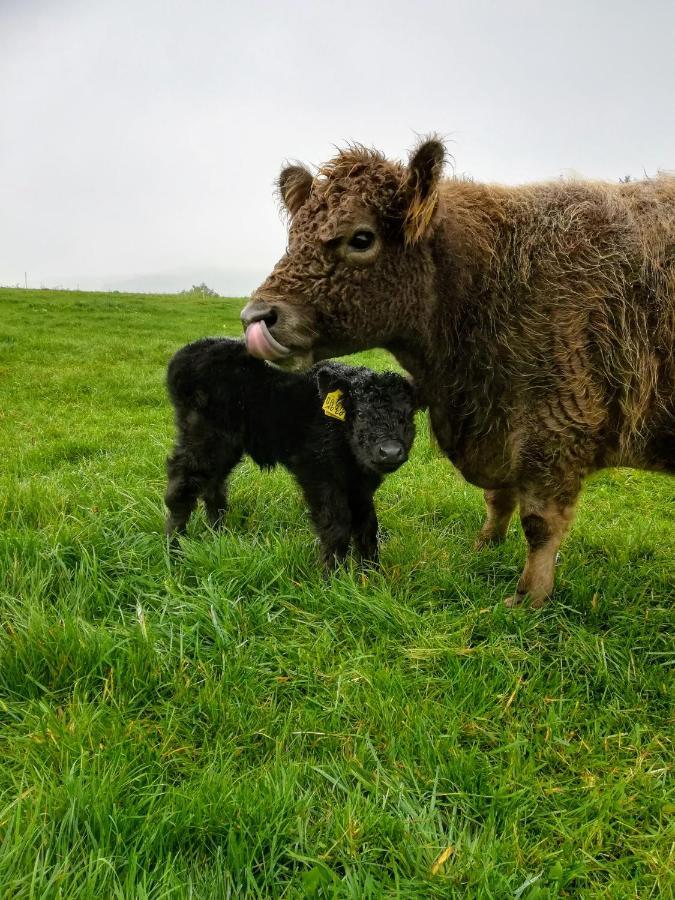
{"x":538,"y":321}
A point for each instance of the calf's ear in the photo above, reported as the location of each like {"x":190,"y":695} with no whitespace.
{"x":418,"y":400}
{"x":328,"y":380}
{"x":424,"y":174}
{"x":294,"y":185}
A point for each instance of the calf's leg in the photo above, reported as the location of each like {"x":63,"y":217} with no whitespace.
{"x":331,"y":517}
{"x":182,"y":492}
{"x":214,"y":491}
{"x":501,"y":504}
{"x":364,"y":526}
{"x":545,"y":523}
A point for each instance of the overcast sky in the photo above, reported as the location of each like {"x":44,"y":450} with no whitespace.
{"x":140,"y":139}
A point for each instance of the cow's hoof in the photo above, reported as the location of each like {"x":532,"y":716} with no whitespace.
{"x":524,"y":600}
{"x":488,"y":540}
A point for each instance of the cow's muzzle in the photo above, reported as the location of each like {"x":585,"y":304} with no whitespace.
{"x":279,"y":331}
{"x":258,"y":318}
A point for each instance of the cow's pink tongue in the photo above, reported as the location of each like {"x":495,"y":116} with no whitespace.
{"x":255,"y":340}
{"x":261,"y":344}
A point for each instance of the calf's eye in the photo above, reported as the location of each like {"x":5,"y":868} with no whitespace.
{"x":361,"y":240}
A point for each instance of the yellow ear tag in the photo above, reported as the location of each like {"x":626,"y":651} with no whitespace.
{"x":332,"y":406}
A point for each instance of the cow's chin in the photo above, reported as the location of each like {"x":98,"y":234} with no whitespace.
{"x":300,"y":359}
{"x":297,"y":362}
{"x":335,"y":349}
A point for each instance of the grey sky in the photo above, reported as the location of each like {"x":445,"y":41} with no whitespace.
{"x":140,"y":139}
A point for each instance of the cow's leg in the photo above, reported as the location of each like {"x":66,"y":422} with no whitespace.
{"x":545,"y":523}
{"x":501,"y":504}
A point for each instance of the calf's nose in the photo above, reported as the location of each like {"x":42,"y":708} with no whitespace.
{"x":391,"y":452}
{"x":256,"y":311}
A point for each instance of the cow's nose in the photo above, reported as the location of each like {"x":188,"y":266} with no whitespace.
{"x":256,"y":311}
{"x":391,"y":452}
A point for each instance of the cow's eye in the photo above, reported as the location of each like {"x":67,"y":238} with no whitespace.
{"x":361,"y":240}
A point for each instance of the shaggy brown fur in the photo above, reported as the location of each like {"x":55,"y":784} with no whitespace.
{"x":539,"y":321}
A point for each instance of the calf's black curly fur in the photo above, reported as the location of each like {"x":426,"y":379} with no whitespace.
{"x":227,"y":403}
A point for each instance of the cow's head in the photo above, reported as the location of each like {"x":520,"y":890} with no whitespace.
{"x":358,"y":262}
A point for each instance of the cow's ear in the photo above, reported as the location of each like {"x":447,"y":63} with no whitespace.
{"x":424,"y":174}
{"x":294,"y":186}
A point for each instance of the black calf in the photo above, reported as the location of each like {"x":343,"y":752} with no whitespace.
{"x":339,"y":430}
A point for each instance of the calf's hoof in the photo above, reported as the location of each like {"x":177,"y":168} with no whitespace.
{"x":173,"y":545}
{"x":331,"y":562}
{"x":368,"y":556}
{"x":216,"y":523}
{"x":216,"y":515}
{"x":175,"y":526}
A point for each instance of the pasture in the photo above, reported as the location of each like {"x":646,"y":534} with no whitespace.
{"x":233,"y":724}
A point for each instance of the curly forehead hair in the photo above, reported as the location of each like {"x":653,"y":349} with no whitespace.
{"x":403,"y":198}
{"x":358,"y":172}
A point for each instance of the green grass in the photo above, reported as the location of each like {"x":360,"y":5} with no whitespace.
{"x":234,"y":725}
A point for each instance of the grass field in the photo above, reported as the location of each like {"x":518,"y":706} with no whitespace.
{"x":232,"y":724}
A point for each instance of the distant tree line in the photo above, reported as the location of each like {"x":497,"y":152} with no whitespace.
{"x":202,"y":289}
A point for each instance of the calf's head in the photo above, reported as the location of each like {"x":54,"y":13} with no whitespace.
{"x":377,"y":411}
{"x":359,"y":257}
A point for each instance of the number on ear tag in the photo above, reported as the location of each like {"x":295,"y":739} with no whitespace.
{"x":332,"y":406}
